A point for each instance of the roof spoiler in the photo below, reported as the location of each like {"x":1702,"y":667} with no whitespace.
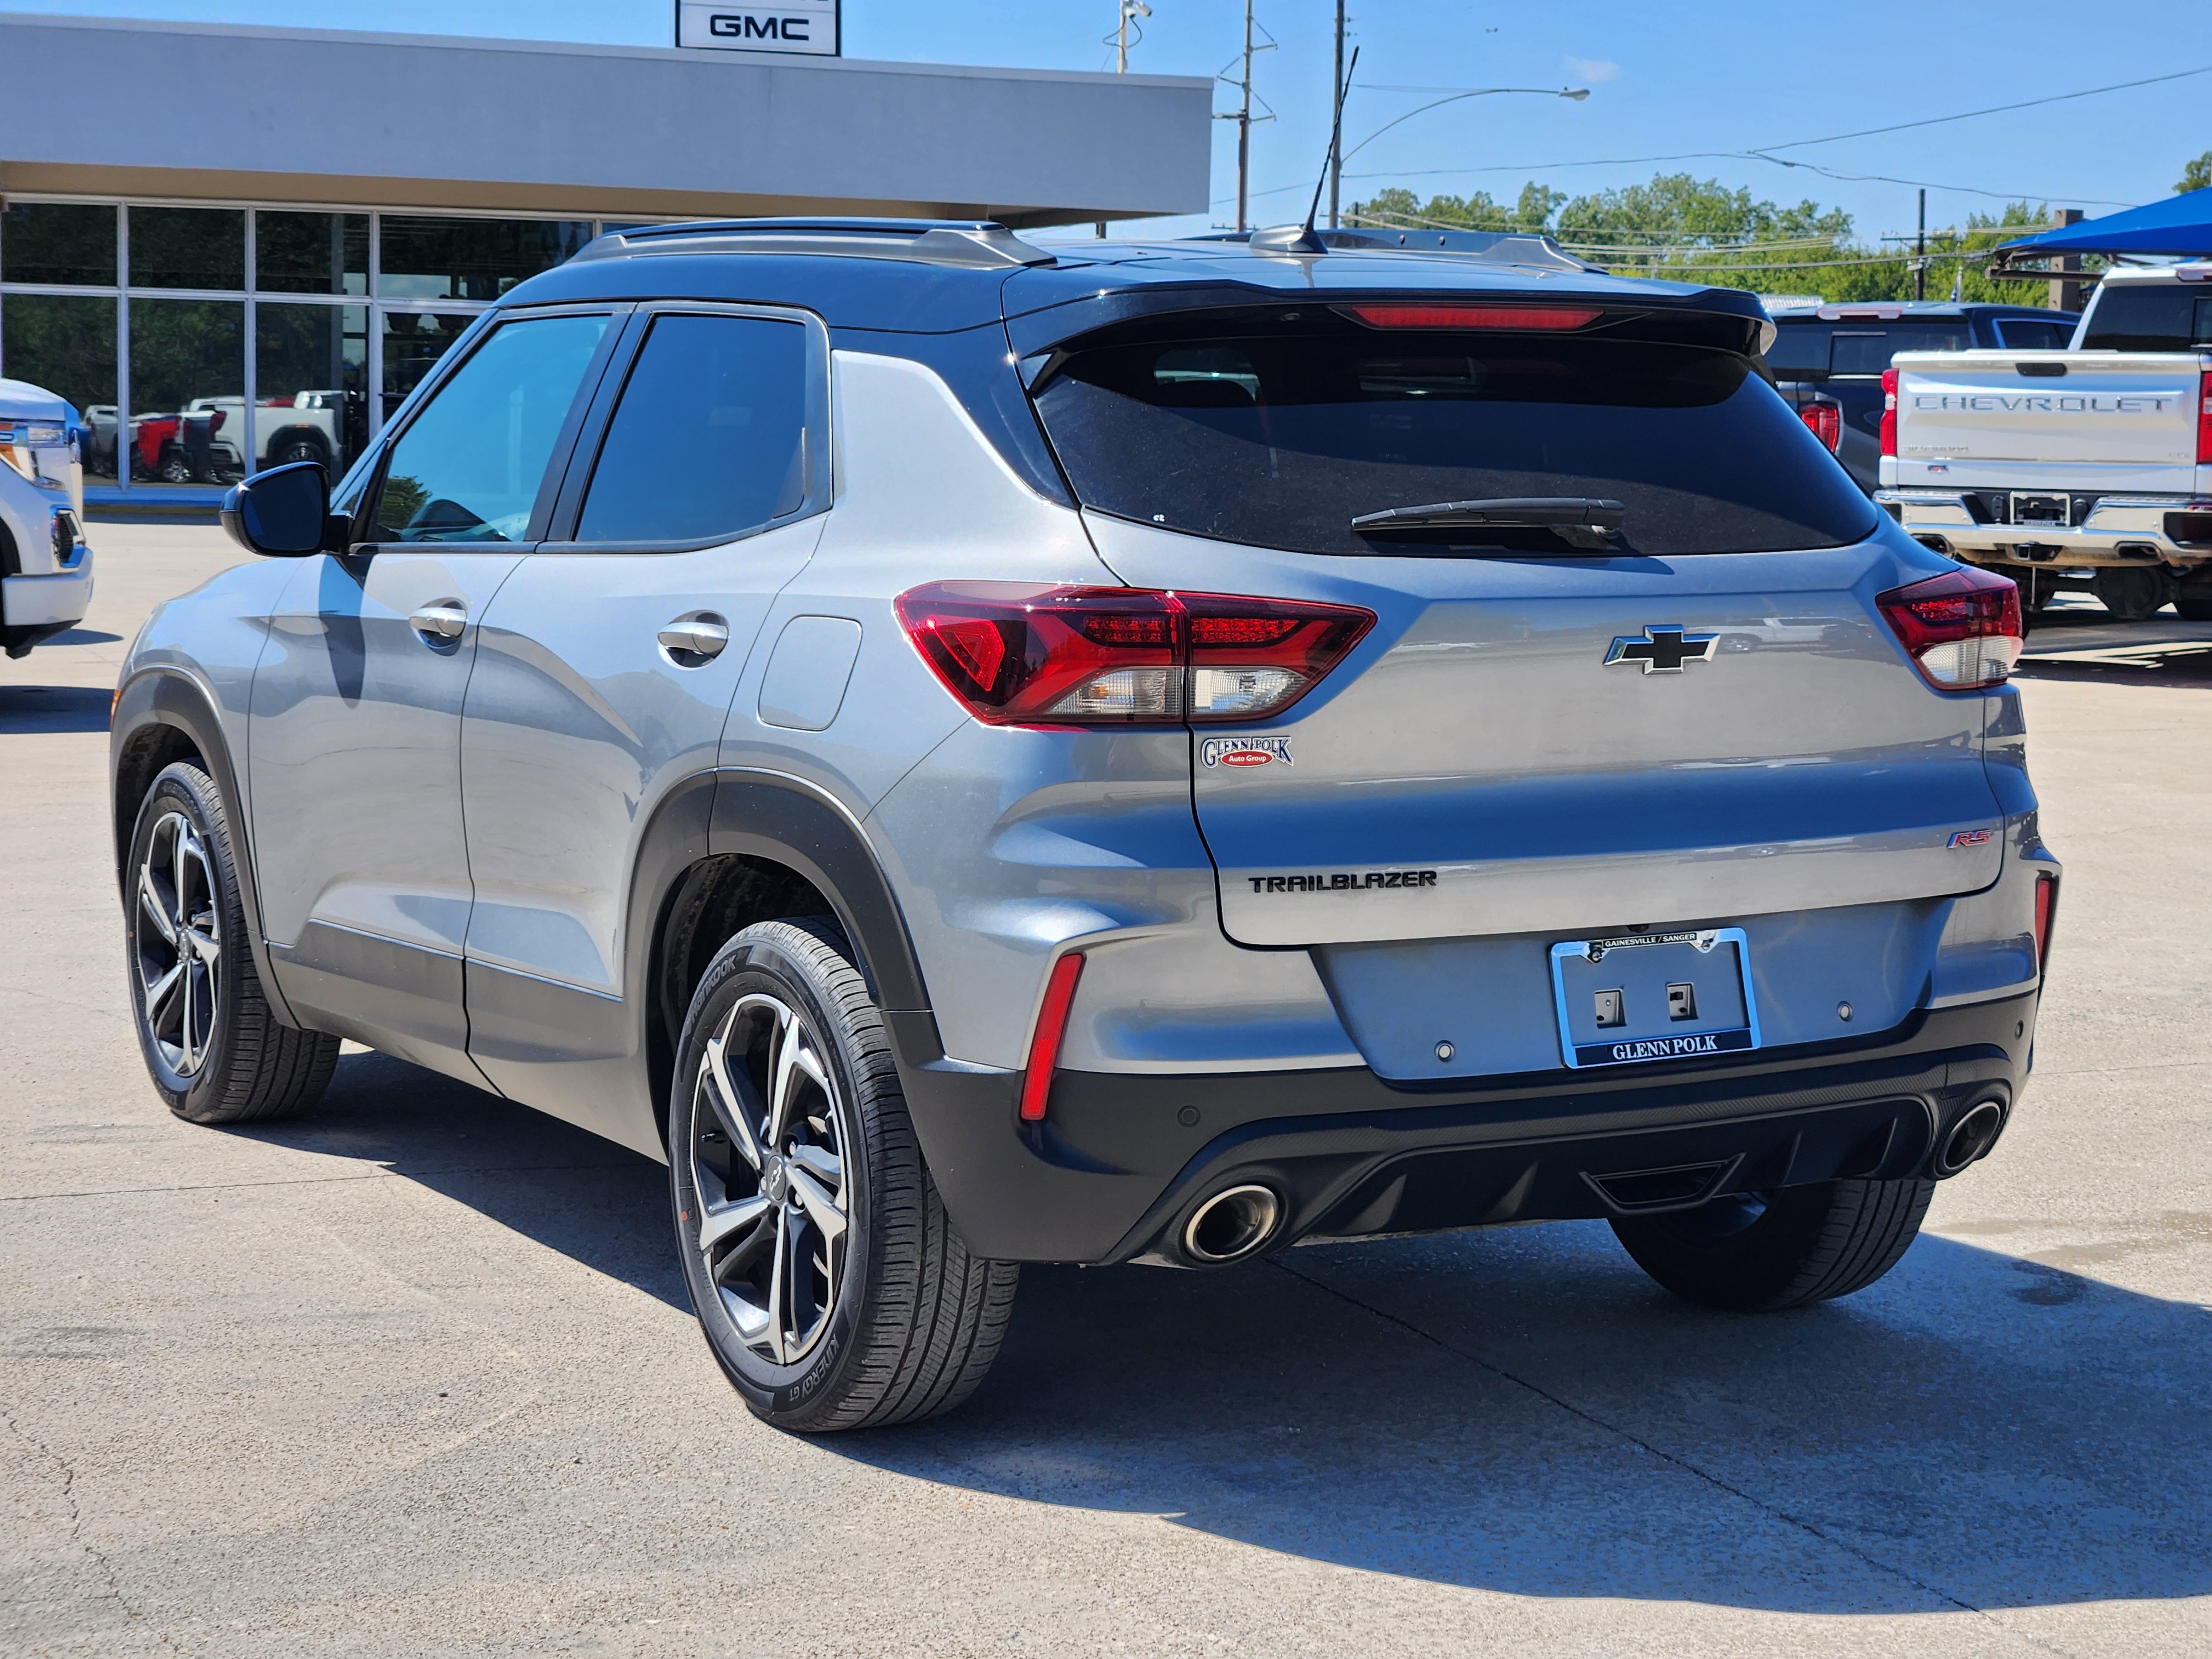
{"x":972,"y":243}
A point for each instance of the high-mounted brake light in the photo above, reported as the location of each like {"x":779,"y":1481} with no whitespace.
{"x":2204,"y":420}
{"x":1476,"y":316}
{"x":1962,"y":628}
{"x":2047,"y":909}
{"x":1889,"y":411}
{"x":1044,"y":1042}
{"x":1825,"y":421}
{"x":1017,"y":655}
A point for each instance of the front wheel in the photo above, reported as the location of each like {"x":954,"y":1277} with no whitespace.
{"x":2193,"y":601}
{"x":2131,"y":592}
{"x":217,"y":1052}
{"x":828,"y":1279}
{"x":1762,"y":1252}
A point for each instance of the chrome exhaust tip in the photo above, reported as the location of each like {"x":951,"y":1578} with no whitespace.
{"x":1971,"y":1138}
{"x":1231,"y":1225}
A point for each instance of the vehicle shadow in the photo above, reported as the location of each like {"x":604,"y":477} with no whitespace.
{"x":26,"y":708}
{"x":1516,"y":1410}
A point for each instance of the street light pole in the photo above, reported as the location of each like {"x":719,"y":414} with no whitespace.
{"x":1244,"y":125}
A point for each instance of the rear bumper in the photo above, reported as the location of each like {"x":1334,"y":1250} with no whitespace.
{"x":1121,"y":1161}
{"x":2118,"y":531}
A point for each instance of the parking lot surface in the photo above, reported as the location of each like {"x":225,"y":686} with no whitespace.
{"x":415,"y":1375}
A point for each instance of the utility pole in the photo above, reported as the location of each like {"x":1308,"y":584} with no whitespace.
{"x":1920,"y":253}
{"x":1127,"y":10}
{"x":1244,"y":126}
{"x":2065,"y":292}
{"x":1336,"y":142}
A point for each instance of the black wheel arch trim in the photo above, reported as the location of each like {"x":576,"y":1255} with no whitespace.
{"x":166,"y":696}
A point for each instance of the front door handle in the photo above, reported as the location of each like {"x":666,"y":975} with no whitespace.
{"x":441,"y":623}
{"x":695,"y":640}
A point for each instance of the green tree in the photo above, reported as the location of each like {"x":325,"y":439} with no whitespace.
{"x":2197,"y":175}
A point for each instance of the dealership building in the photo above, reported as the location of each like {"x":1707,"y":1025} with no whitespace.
{"x":197,"y":220}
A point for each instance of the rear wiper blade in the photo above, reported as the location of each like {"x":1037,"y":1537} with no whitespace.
{"x":1581,"y":521}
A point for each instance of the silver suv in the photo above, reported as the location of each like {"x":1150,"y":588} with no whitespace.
{"x":977,"y":754}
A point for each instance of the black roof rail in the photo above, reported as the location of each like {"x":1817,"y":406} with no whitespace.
{"x":977,"y":243}
{"x":1503,"y":247}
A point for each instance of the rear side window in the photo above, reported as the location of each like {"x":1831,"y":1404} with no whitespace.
{"x":2127,"y":318}
{"x":1280,"y":439}
{"x":709,"y":439}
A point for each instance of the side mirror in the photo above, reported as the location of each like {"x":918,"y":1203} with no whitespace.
{"x":285,"y":513}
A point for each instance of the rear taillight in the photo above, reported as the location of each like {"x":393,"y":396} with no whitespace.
{"x":1889,"y":411}
{"x":1962,"y":628}
{"x":1825,"y":421}
{"x":1548,"y":318}
{"x":2046,"y":908}
{"x":1044,"y":1042}
{"x":2204,"y":420}
{"x":1017,"y":655}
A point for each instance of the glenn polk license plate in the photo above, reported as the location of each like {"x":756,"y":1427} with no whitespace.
{"x":1655,"y":996}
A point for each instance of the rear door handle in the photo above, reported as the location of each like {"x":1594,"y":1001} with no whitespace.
{"x":695,"y":640}
{"x":441,"y":623}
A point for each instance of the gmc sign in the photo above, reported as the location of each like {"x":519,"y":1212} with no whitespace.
{"x":800,"y":26}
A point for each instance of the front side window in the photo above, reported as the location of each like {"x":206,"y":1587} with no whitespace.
{"x":467,"y":469}
{"x":710,"y":437}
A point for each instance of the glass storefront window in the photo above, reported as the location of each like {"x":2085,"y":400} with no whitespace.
{"x":311,"y":364}
{"x":66,"y":346}
{"x":58,"y":242}
{"x":429,"y":258}
{"x":187,"y":247}
{"x":311,"y":252}
{"x":187,"y":380}
{"x":413,"y":341}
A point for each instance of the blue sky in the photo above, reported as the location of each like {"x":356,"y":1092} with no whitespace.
{"x":1706,"y":77}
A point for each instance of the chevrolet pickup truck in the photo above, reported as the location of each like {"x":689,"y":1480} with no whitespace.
{"x":2094,"y":459}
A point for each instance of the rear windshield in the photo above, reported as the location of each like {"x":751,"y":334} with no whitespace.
{"x":1809,"y":351}
{"x":1280,"y":439}
{"x":2149,"y":318}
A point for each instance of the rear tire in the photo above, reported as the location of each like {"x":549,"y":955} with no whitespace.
{"x":1760,"y":1253}
{"x":2192,"y":601}
{"x":829,"y":1283}
{"x":2131,"y":592}
{"x":217,"y":1052}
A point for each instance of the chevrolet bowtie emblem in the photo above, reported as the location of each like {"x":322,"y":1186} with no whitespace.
{"x":1662,"y":649}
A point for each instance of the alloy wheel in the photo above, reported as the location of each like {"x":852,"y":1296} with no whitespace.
{"x":769,"y":1142}
{"x":179,"y":945}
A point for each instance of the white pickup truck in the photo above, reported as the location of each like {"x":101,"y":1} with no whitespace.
{"x":2097,"y":459}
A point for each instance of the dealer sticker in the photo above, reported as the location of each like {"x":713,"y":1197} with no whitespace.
{"x":1245,"y":751}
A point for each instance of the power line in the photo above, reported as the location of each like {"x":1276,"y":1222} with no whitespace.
{"x":1994,"y":109}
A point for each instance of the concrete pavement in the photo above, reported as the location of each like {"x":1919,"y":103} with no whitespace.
{"x":415,"y":1375}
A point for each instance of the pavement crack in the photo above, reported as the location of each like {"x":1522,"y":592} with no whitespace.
{"x":76,"y":1532}
{"x":1671,"y":1458}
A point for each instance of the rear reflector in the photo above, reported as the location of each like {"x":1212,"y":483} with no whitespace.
{"x":1825,"y":421}
{"x":1044,"y":1043}
{"x":1017,"y":655}
{"x":1889,"y":411}
{"x":1476,"y":316}
{"x":1962,"y":628}
{"x":2046,"y":908}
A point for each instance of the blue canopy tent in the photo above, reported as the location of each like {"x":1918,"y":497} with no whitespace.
{"x":2178,"y":225}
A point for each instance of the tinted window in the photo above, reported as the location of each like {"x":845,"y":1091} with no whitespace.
{"x":709,"y":438}
{"x":187,"y":247}
{"x":468,"y":467}
{"x":1280,"y":440}
{"x":311,"y":252}
{"x":2147,"y":319}
{"x":2028,"y":334}
{"x":58,"y":242}
{"x":1799,"y":348}
{"x":1861,"y":350}
{"x":441,"y":259}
